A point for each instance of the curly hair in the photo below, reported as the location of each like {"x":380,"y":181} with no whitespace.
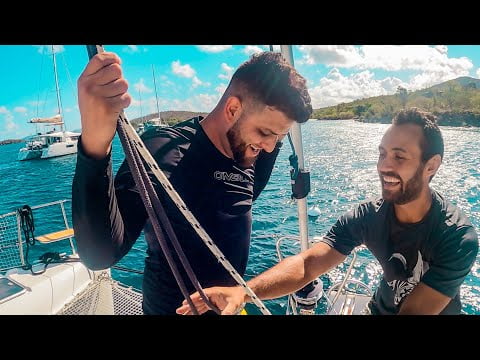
{"x":267,"y":78}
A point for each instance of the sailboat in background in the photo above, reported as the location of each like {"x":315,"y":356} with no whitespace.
{"x":155,"y":122}
{"x":54,"y":140}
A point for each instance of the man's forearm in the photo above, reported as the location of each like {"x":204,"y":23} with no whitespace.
{"x":295,"y":272}
{"x":284,"y":278}
{"x":100,"y":227}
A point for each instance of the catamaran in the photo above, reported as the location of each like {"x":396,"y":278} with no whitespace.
{"x":54,"y":140}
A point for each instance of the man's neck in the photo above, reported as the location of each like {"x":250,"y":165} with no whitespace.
{"x":215,"y":131}
{"x":415,"y":210}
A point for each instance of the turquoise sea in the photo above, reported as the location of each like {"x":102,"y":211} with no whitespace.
{"x":341,"y":156}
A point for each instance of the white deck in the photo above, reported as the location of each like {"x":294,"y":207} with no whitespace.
{"x":47,"y":293}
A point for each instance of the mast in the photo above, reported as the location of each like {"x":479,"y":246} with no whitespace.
{"x":305,"y":299}
{"x":141,"y":110}
{"x":59,"y":102}
{"x":156,"y":96}
{"x":296,"y":135}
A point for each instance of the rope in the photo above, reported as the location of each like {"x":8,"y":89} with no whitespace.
{"x":28,"y":226}
{"x":121,"y":268}
{"x":53,"y":258}
{"x":155,"y":210}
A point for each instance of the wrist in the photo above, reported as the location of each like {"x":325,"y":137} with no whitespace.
{"x":94,"y":148}
{"x":246,"y":298}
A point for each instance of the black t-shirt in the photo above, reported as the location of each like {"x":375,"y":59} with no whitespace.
{"x":438,"y":251}
{"x":108,"y":217}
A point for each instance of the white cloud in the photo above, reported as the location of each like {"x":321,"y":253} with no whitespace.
{"x":387,"y":57}
{"x":428,"y":65}
{"x":336,"y":88}
{"x":213,"y":48}
{"x":20,"y":109}
{"x":200,"y":102}
{"x":182,"y":70}
{"x":331,"y":55}
{"x":187,"y":71}
{"x":196,"y":82}
{"x":8,"y":119}
{"x":42,"y":49}
{"x":131,"y":49}
{"x":141,"y":87}
{"x":9,"y":124}
{"x":478,"y":72}
{"x":228,"y":71}
{"x":253,"y":49}
{"x":427,"y":79}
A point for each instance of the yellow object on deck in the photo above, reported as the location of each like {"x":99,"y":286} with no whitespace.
{"x":55,"y":236}
{"x":243,"y":312}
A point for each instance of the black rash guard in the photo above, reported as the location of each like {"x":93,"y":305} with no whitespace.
{"x":108,"y":215}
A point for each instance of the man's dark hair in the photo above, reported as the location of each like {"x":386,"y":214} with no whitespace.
{"x":267,"y":78}
{"x":432,"y":142}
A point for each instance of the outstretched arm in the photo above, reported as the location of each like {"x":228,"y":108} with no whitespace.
{"x":284,"y":278}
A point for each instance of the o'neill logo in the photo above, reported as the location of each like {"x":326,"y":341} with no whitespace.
{"x":224,"y":176}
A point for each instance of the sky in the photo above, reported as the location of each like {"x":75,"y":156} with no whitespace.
{"x":193,"y":77}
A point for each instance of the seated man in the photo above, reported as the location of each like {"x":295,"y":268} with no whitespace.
{"x":425,"y":245}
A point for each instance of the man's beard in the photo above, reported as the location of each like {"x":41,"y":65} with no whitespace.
{"x":238,"y":146}
{"x":407,"y":193}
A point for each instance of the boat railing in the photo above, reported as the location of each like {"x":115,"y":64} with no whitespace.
{"x":340,"y":290}
{"x":13,"y":245}
{"x":84,"y":291}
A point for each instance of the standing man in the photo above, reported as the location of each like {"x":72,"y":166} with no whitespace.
{"x":425,"y":245}
{"x":218,"y":165}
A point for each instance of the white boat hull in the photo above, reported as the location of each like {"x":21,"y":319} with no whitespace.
{"x":59,"y":149}
{"x":47,"y":293}
{"x":28,"y":154}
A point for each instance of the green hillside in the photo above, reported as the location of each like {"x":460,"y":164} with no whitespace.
{"x":455,"y":102}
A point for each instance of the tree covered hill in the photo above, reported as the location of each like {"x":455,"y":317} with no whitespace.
{"x":455,"y":103}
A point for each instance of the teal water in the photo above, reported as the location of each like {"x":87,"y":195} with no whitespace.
{"x":342,"y":159}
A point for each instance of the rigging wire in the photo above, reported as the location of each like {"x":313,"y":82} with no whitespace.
{"x":39,"y":81}
{"x":69,"y":77}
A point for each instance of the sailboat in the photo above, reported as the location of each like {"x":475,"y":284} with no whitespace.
{"x":156,"y":122}
{"x":54,"y":140}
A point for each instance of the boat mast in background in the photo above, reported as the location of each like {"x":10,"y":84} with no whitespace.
{"x":156,"y":95}
{"x":63,"y":126}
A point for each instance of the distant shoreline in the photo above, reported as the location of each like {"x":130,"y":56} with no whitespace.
{"x":468,"y":123}
{"x":11,"y":141}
